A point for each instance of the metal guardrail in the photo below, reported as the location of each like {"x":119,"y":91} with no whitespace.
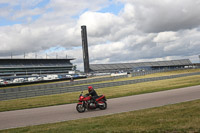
{"x":63,"y":84}
{"x":14,"y":93}
{"x":78,"y":82}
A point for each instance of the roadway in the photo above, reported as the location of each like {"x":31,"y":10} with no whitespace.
{"x":52,"y":114}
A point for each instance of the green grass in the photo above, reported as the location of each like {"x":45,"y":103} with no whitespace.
{"x":177,"y":118}
{"x":110,"y":92}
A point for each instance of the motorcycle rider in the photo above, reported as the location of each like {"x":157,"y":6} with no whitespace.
{"x":92,"y":92}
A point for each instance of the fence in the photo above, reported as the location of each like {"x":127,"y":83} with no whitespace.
{"x":86,"y":81}
{"x":33,"y":91}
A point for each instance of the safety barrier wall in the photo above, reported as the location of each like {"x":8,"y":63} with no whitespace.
{"x":23,"y":92}
{"x":78,"y":82}
{"x":62,"y":84}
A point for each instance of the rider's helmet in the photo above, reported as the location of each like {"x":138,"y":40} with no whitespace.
{"x":90,"y":88}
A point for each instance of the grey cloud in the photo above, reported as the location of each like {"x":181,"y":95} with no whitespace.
{"x":165,"y":15}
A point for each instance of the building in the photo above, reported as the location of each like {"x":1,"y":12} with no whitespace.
{"x":129,"y":67}
{"x":17,"y":67}
{"x":85,"y":49}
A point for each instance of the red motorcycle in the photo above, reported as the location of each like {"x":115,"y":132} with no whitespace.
{"x":87,"y":102}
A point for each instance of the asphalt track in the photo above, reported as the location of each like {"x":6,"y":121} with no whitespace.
{"x":37,"y":116}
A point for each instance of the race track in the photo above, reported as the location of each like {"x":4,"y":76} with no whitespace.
{"x":36,"y":116}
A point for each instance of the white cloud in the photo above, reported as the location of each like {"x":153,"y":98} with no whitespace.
{"x":165,"y":37}
{"x":14,"y":10}
{"x":99,"y":24}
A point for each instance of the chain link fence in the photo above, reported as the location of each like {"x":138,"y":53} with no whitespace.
{"x":33,"y":91}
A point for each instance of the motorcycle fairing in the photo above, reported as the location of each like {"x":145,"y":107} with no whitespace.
{"x":101,"y":97}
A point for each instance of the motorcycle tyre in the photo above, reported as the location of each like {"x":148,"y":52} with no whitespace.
{"x":103,"y":107}
{"x":77,"y":108}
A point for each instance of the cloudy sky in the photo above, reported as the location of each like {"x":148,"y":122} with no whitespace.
{"x":118,"y":30}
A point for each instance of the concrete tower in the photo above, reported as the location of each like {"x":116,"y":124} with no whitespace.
{"x":85,"y":49}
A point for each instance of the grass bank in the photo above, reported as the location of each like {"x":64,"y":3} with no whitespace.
{"x":110,"y":92}
{"x":182,"y":117}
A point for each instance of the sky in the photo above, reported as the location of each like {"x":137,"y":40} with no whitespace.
{"x":119,"y":31}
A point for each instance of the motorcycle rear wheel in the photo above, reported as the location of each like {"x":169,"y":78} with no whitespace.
{"x":104,"y":106}
{"x":80,"y":108}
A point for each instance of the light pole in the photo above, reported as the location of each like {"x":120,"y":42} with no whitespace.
{"x":198,"y":65}
{"x":199,"y":58}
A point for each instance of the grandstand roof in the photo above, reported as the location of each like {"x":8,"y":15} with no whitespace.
{"x":119,"y":66}
{"x":24,"y":63}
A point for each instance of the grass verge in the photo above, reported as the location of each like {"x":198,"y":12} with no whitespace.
{"x":182,"y":117}
{"x":110,"y":92}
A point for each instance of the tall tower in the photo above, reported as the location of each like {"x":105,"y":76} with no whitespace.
{"x":85,"y":49}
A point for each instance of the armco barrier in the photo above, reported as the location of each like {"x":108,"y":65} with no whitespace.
{"x":58,"y":85}
{"x":65,"y":84}
{"x":24,"y":93}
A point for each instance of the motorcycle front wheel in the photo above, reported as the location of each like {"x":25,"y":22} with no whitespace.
{"x":80,"y":108}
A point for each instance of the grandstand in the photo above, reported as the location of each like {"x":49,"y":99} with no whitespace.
{"x":129,"y":67}
{"x":16,"y":67}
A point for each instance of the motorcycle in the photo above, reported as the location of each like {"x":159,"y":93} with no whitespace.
{"x":87,"y":102}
